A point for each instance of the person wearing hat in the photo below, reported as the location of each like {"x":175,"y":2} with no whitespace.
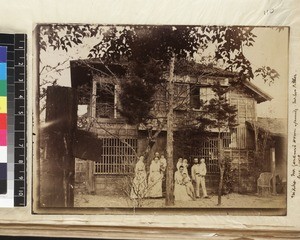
{"x":198,"y":176}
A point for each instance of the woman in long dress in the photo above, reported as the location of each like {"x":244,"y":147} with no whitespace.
{"x":180,"y":189}
{"x":139,"y":183}
{"x":155,"y":179}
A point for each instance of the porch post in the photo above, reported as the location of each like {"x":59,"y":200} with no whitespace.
{"x":94,"y":99}
{"x":272,"y":152}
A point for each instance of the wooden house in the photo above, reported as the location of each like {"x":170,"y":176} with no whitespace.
{"x":117,"y":142}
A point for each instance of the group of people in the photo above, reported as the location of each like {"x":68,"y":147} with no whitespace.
{"x":184,"y":189}
{"x":152,"y":185}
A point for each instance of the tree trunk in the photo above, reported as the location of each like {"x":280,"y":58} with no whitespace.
{"x":151,"y":141}
{"x":170,"y":138}
{"x":221,"y":168}
{"x":220,"y":184}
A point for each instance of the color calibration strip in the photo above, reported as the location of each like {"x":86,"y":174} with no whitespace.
{"x":3,"y":120}
{"x":15,"y":119}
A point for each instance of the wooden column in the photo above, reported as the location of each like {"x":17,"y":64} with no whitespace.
{"x":57,"y":163}
{"x":94,"y":99}
{"x":273,"y":169}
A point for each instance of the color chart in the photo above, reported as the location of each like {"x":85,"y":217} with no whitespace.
{"x":13,"y":120}
{"x":3,"y":120}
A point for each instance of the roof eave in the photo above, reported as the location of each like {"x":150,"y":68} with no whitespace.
{"x":261,"y":95}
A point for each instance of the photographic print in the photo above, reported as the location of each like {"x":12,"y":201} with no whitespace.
{"x":154,"y":117}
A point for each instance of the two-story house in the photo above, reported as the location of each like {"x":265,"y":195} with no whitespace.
{"x":119,"y":143}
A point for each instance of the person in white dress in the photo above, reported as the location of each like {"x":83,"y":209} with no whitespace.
{"x":155,"y":179}
{"x":188,"y":185}
{"x":180,"y":190}
{"x":139,"y":183}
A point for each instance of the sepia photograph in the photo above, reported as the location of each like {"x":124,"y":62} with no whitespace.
{"x":157,"y":117}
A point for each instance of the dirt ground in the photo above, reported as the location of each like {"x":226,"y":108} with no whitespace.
{"x":232,"y":200}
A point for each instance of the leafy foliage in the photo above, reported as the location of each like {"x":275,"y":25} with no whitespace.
{"x":218,"y":113}
{"x":148,"y":50}
{"x":230,"y":177}
{"x":136,"y":95}
{"x":60,"y":36}
{"x":268,"y":74}
{"x":138,"y":90}
{"x":186,"y":140}
{"x":230,"y":42}
{"x":154,"y":45}
{"x":140,"y":43}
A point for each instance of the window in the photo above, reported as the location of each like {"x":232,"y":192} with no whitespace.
{"x":246,"y":109}
{"x":207,"y":149}
{"x":105,"y":104}
{"x":206,"y":94}
{"x":195,"y":97}
{"x":198,"y":94}
{"x":118,"y":156}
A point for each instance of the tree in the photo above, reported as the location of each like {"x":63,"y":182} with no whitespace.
{"x":219,"y":114}
{"x":142,"y":46}
{"x":153,"y":51}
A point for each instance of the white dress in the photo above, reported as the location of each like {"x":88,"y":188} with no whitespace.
{"x":155,"y":180}
{"x":180,"y":193}
{"x":139,"y":183}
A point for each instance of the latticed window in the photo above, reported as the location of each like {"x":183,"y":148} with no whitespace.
{"x":118,"y":156}
{"x":209,"y":151}
{"x":227,"y":138}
